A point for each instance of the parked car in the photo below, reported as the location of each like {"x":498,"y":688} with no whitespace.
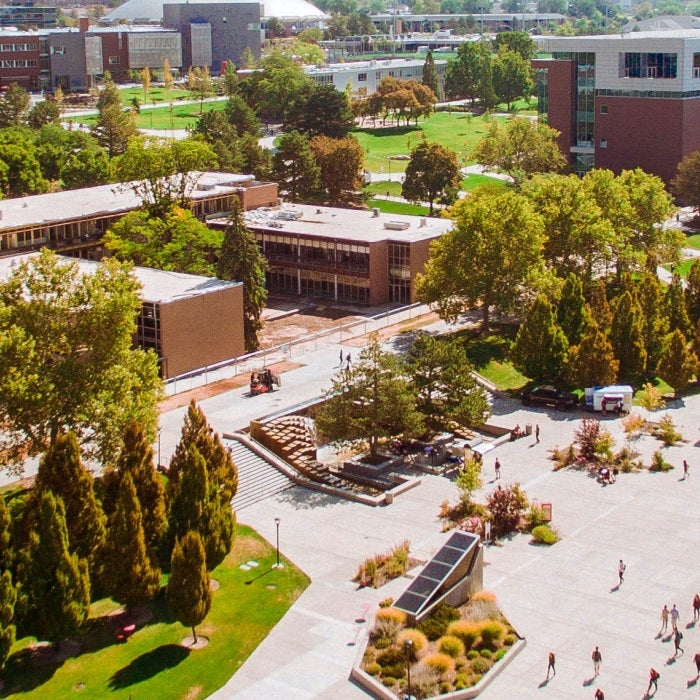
{"x":548,"y":395}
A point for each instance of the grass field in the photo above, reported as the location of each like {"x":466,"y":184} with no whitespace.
{"x":152,"y":664}
{"x":682,"y":268}
{"x":391,"y":207}
{"x":458,"y":131}
{"x":693,"y":241}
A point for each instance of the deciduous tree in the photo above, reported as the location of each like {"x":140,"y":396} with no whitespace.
{"x":43,"y":113}
{"x":490,"y":259}
{"x":686,"y":184}
{"x":323,"y":111}
{"x":189,"y":594}
{"x":677,"y":363}
{"x":242,"y":117}
{"x":115,"y":125}
{"x":432,"y":175}
{"x":14,"y":106}
{"x":512,"y":77}
{"x":340,"y":162}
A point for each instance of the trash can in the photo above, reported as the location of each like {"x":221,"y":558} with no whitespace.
{"x":528,"y":429}
{"x":388,"y":498}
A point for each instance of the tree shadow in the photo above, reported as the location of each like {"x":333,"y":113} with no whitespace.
{"x":148,"y":665}
{"x":22,"y":673}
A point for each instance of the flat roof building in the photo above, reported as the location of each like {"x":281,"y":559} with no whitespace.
{"x":624,"y":101}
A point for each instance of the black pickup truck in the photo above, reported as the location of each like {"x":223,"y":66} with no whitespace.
{"x":550,"y":396}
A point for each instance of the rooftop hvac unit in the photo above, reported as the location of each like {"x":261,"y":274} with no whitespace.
{"x":397,"y":225}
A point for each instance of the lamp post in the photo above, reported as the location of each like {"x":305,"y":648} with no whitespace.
{"x":158,"y":465}
{"x":277,"y":523}
{"x":408,"y":648}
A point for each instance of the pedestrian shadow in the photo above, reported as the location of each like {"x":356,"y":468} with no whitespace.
{"x":544,"y":683}
{"x":671,"y":660}
{"x":615,"y":589}
{"x":690,"y":625}
{"x":692,"y":682}
{"x":667,"y":638}
{"x":589,"y":681}
{"x":659,"y":634}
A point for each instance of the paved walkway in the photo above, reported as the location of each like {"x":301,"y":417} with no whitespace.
{"x":562,"y":598}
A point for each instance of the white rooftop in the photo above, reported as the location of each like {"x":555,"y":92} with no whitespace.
{"x":355,"y":225}
{"x":375,"y":63}
{"x":159,"y":286}
{"x":94,"y":201}
{"x":630,"y":36}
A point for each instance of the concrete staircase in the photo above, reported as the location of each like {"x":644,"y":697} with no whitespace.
{"x":257,"y":478}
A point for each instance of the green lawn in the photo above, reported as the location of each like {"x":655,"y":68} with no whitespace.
{"x":391,"y":207}
{"x":458,"y":131}
{"x":682,"y":268}
{"x":156,"y":94}
{"x":152,"y":664}
{"x":693,"y":241}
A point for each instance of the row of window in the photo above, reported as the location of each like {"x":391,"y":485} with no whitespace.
{"x":18,"y":63}
{"x":17,"y":47}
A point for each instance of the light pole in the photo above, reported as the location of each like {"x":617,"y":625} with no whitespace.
{"x":408,"y":648}
{"x":277,"y":523}
{"x":158,"y":465}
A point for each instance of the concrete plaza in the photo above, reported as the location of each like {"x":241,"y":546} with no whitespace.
{"x":563,"y":598}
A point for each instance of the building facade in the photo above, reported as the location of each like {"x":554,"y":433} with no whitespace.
{"x":28,"y":16}
{"x":624,"y":101}
{"x":24,"y":59}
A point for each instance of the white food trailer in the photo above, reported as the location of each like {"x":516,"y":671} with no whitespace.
{"x":608,"y":399}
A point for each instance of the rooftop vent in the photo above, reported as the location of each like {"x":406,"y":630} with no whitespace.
{"x":205,"y":186}
{"x":375,"y":212}
{"x":423,"y":222}
{"x":396,"y":225}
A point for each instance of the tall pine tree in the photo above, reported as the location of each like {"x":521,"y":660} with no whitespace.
{"x":675,"y":307}
{"x":627,"y":337}
{"x":600,"y":308}
{"x":8,"y":598}
{"x":651,"y":301}
{"x":61,"y":471}
{"x":241,"y":260}
{"x":678,"y":363}
{"x":57,"y":582}
{"x":131,"y":577}
{"x":692,"y":292}
{"x":570,"y":311}
{"x":539,"y":351}
{"x":430,"y":78}
{"x":592,"y":362}
{"x":189,"y":594}
{"x":6,"y":553}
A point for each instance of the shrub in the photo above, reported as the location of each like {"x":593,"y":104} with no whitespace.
{"x":418,"y":639}
{"x":472,"y":654}
{"x":389,"y":681}
{"x":394,"y":569}
{"x":482,"y":609}
{"x":535,"y":516}
{"x":400,"y":553}
{"x":492,"y":631}
{"x":558,"y":456}
{"x":587,"y":436}
{"x":603,"y":446}
{"x":466,"y":631}
{"x":651,"y":398}
{"x":374,"y":669}
{"x":424,"y":681}
{"x":389,"y":622}
{"x":461,"y":681}
{"x":393,"y":614}
{"x":393,"y":661}
{"x":445,"y":687}
{"x":666,"y":431}
{"x":452,"y":646}
{"x":485,"y":596}
{"x":500,"y":654}
{"x":486,"y":653}
{"x":435,"y":625}
{"x":634,"y":425}
{"x":626,"y":459}
{"x":442,"y":664}
{"x":480,"y":665}
{"x":506,"y":505}
{"x":659,"y":464}
{"x":509,"y":640}
{"x":386,"y":603}
{"x":544,"y":534}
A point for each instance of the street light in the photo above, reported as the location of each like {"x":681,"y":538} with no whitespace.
{"x":277,"y":523}
{"x":408,"y":648}
{"x":158,"y":465}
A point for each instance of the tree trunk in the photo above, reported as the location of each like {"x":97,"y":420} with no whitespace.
{"x":485,"y":317}
{"x":194,"y":634}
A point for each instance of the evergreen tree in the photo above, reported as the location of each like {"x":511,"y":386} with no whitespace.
{"x":57,"y":582}
{"x":592,"y":362}
{"x":430,"y":78}
{"x":8,"y":598}
{"x":677,"y":363}
{"x":131,"y":577}
{"x":189,"y":595}
{"x":692,"y":292}
{"x":6,"y":553}
{"x":221,"y":470}
{"x":241,"y":260}
{"x":295,"y":167}
{"x":61,"y":471}
{"x":218,"y":531}
{"x":651,"y":301}
{"x":539,"y":351}
{"x":570,"y":311}
{"x":627,"y":337}
{"x":600,"y":308}
{"x":675,"y":307}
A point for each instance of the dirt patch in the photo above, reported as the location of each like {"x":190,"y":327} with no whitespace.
{"x":193,"y":693}
{"x":246,"y":548}
{"x":189,"y":642}
{"x":312,"y":320}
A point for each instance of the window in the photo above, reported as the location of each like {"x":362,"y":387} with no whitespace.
{"x":696,"y":65}
{"x":114,"y":60}
{"x":603,"y":109}
{"x":648,"y":65}
{"x":60,"y":50}
{"x":362,"y":77}
{"x":603,"y":143}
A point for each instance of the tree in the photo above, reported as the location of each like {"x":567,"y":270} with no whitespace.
{"x":490,"y":259}
{"x":469,"y":480}
{"x":223,"y":138}
{"x":189,"y":594}
{"x":175,"y":240}
{"x":132,"y":578}
{"x":539,"y":351}
{"x":570,"y":310}
{"x":686,"y":184}
{"x":14,"y":106}
{"x":506,"y":506}
{"x":85,"y":166}
{"x":677,"y":363}
{"x":447,"y":392}
{"x":67,"y":361}
{"x":43,"y":113}
{"x":242,"y":260}
{"x":432,"y":174}
{"x":274,"y":28}
{"x":651,"y":300}
{"x":520,"y":42}
{"x":6,"y":553}
{"x":20,"y":173}
{"x":592,"y":362}
{"x":600,"y":308}
{"x":675,"y":307}
{"x":324,"y":111}
{"x":627,"y":337}
{"x":57,"y":582}
{"x":430,"y":78}
{"x":62,"y":473}
{"x":341,"y":164}
{"x":114,"y":126}
{"x":167,"y":75}
{"x":247,"y":60}
{"x":8,"y":598}
{"x":199,"y":82}
{"x":465,"y":75}
{"x":692,"y":293}
{"x":220,"y":467}
{"x":520,"y":149}
{"x":163,"y":172}
{"x":512,"y":76}
{"x":241,"y":117}
{"x":295,"y":168}
{"x":145,"y":75}
{"x":370,"y":402}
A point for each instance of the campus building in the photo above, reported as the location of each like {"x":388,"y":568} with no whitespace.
{"x":188,"y":320}
{"x":344,"y":255}
{"x":73,"y":222}
{"x":24,"y":59}
{"x":624,"y":101}
{"x":364,"y":76}
{"x":28,"y":15}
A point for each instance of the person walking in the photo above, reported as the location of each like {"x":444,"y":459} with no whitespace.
{"x":696,"y":607}
{"x":497,"y":467}
{"x":677,"y":637}
{"x":621,"y":570}
{"x":599,"y":694}
{"x":341,"y":357}
{"x":653,"y":679}
{"x":537,"y":433}
{"x":348,"y":359}
{"x":686,"y":470}
{"x":597,"y":660}
{"x":696,"y":660}
{"x":552,"y":661}
{"x":664,"y":618}
{"x":674,"y":617}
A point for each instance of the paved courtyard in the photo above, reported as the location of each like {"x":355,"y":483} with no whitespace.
{"x":564,"y":598}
